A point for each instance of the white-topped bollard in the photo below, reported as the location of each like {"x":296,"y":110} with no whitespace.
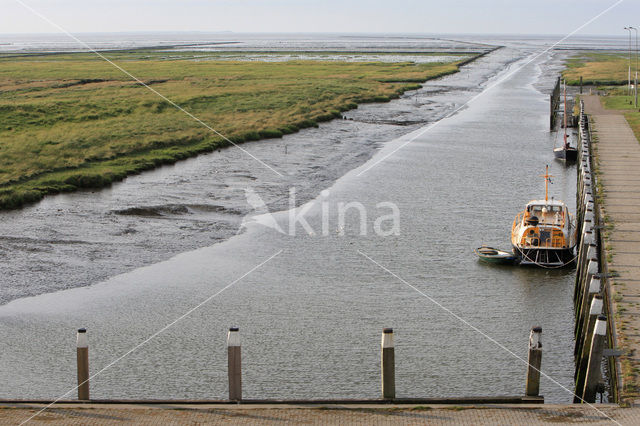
{"x":534,"y":362}
{"x":584,"y":346}
{"x":588,"y":312}
{"x":589,"y":216}
{"x":595,"y":310}
{"x":387,"y":364}
{"x":82,"y":345}
{"x":588,"y":238}
{"x":592,"y":269}
{"x":234,"y":364}
{"x":594,"y":374}
{"x":594,"y":286}
{"x":591,"y":252}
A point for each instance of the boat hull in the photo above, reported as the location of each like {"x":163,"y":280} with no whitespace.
{"x":545,"y":257}
{"x":570,"y":154}
{"x":508,"y":260}
{"x":491,"y":255}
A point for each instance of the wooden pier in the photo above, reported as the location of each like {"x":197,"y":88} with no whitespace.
{"x":594,"y":332}
{"x":616,"y":157}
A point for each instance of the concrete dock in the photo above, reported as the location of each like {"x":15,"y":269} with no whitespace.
{"x":100,"y":414}
{"x":617,"y":153}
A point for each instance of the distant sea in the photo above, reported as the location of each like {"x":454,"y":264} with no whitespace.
{"x":273,"y":42}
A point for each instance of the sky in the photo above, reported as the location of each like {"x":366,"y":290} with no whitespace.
{"x":382,"y":16}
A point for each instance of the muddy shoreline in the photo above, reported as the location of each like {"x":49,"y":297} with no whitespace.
{"x":78,"y":239}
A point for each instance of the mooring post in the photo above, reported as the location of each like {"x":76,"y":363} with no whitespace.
{"x":594,"y":375}
{"x":591,"y":291}
{"x":585,"y":188}
{"x":587,"y":195}
{"x":581,"y":85}
{"x":588,"y":238}
{"x":534,"y":362}
{"x":234,"y":364}
{"x":584,"y":181}
{"x":583,"y":342}
{"x":589,"y":216}
{"x":586,"y":241}
{"x":586,"y":252}
{"x":592,"y":269}
{"x":552,"y":110}
{"x":387,"y":364}
{"x":82,"y":345}
{"x":586,"y":277}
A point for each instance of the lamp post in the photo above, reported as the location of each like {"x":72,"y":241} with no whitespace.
{"x":635,"y":84}
{"x":629,"y":80}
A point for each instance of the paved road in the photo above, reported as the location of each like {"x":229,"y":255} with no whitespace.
{"x":618,"y":156}
{"x":330,"y":414}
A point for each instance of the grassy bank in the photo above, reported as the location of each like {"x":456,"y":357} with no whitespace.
{"x":609,"y":72}
{"x":74,"y":121}
{"x":598,"y":69}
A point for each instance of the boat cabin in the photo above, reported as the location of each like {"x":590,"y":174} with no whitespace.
{"x":547,"y":212}
{"x":543,"y":233}
{"x":543,"y":224}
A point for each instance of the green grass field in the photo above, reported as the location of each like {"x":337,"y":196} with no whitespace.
{"x":608,"y":71}
{"x":73,"y":120}
{"x":598,"y":69}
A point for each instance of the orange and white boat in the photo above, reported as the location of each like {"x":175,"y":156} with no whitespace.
{"x":544,"y":233}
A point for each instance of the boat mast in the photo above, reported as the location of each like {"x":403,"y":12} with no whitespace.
{"x":547,"y":179}
{"x":565,"y":114}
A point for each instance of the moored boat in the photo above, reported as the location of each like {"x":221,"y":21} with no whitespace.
{"x":544,"y":233}
{"x":494,"y":255}
{"x":566,"y":151}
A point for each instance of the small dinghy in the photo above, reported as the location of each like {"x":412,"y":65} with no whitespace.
{"x":494,"y":255}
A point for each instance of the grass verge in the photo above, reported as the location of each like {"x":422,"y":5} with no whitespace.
{"x":72,"y":121}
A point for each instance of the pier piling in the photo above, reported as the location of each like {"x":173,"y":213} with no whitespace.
{"x":234,"y":364}
{"x":594,"y":375}
{"x":82,"y":345}
{"x":585,"y":281}
{"x":554,"y":103}
{"x":583,"y":346}
{"x":387,"y":364}
{"x":534,"y":362}
{"x":581,"y":85}
{"x":590,"y":293}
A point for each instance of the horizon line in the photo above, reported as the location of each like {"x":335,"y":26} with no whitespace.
{"x":307,"y":32}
